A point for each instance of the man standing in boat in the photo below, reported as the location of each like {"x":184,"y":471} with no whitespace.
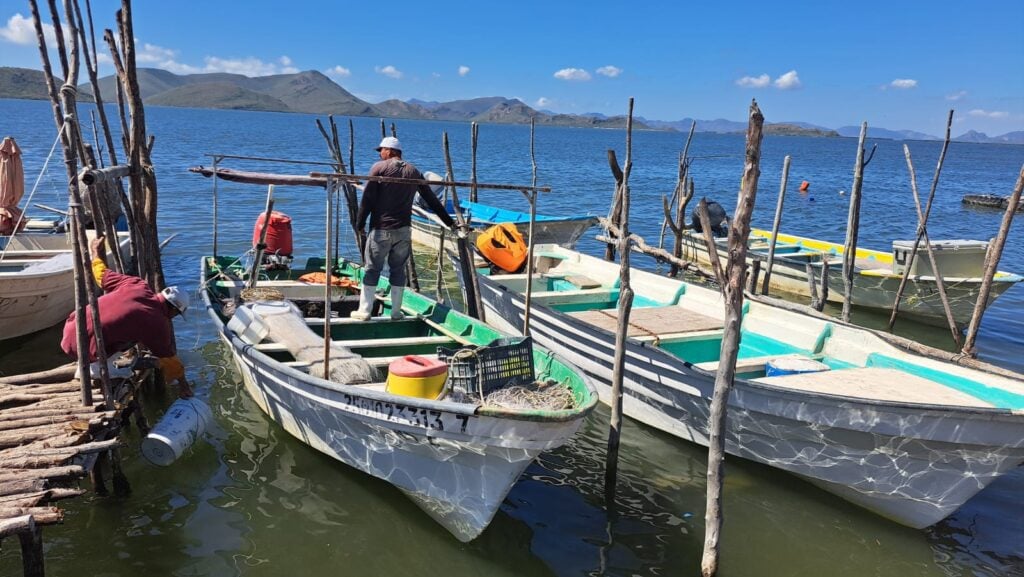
{"x":388,"y":206}
{"x":130,"y":313}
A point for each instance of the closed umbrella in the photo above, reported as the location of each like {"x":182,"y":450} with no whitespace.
{"x":12,"y":186}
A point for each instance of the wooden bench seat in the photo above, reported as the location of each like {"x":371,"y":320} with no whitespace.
{"x":652,"y":321}
{"x":751,"y":364}
{"x":272,"y":347}
{"x":876,"y":383}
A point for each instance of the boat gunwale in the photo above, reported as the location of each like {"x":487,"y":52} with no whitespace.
{"x":753,"y":384}
{"x":478,"y":410}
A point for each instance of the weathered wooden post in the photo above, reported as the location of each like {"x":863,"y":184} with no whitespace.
{"x":732,"y":290}
{"x":615,"y":214}
{"x":922,"y":227}
{"x":262,"y":244}
{"x":775,"y":226}
{"x":475,"y":135}
{"x":853,"y":223}
{"x":474,"y":306}
{"x":622,"y":328}
{"x":922,"y":221}
{"x":684,"y":166}
{"x":532,"y":197}
{"x":328,"y":269}
{"x":709,"y":241}
{"x":995,"y":252}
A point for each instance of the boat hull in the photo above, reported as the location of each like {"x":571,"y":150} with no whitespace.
{"x":552,"y":231}
{"x":456,"y":461}
{"x":912,"y":463}
{"x":873,"y":289}
{"x":33,"y":301}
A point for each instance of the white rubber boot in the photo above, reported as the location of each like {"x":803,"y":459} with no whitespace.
{"x":365,"y":303}
{"x":397,"y":293}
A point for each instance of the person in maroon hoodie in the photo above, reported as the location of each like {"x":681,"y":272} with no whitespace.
{"x":131,"y":313}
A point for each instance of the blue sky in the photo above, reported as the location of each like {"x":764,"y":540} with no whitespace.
{"x":895,"y":64}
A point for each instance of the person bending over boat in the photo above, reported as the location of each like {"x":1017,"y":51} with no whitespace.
{"x":388,"y":206}
{"x":130,"y":313}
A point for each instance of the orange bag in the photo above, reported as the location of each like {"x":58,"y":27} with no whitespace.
{"x":503,"y":245}
{"x":319,"y":278}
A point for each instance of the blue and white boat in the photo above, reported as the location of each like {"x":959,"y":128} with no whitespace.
{"x":561,"y":230}
{"x":909,"y":436}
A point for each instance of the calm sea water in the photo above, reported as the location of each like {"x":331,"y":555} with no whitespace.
{"x":254,"y":501}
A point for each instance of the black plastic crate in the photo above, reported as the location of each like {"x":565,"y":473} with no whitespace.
{"x":480,"y":370}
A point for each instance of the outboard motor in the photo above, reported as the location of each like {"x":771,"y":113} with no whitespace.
{"x":438,"y":189}
{"x":717,"y":218}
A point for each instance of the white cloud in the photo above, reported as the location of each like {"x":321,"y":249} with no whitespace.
{"x":788,"y":81}
{"x":543,"y":102}
{"x":338,"y":72}
{"x":577,"y":74}
{"x":153,"y":54}
{"x":609,"y":71}
{"x":903,"y":83}
{"x":389,"y":71}
{"x":988,"y":113}
{"x":754,"y":81}
{"x":463,"y":70}
{"x":244,"y":66}
{"x":20,"y":30}
{"x":956,"y":95}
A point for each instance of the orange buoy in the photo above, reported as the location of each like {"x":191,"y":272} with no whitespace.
{"x":804,"y":186}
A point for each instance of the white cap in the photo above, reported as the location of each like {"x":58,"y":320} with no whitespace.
{"x":177,"y":298}
{"x":437,"y":188}
{"x":390,"y":142}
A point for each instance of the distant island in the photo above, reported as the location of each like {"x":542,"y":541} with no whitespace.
{"x":314,"y":93}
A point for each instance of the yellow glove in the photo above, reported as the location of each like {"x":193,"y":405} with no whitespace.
{"x":98,"y":268}
{"x":172,"y":369}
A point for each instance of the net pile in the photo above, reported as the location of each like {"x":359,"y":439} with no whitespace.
{"x":254,"y":294}
{"x":546,"y":395}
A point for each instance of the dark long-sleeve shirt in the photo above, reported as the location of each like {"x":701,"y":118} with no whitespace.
{"x":389,"y":205}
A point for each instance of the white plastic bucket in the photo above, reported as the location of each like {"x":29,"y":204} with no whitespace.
{"x":183,"y":423}
{"x":247,"y":325}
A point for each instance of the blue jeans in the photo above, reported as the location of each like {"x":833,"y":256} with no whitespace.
{"x":391,"y":246}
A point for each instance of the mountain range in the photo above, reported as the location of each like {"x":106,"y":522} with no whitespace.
{"x":313,"y":92}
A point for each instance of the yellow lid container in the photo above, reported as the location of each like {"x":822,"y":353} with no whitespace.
{"x":415,"y":376}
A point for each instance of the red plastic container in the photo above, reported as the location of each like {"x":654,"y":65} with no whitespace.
{"x":279,"y":233}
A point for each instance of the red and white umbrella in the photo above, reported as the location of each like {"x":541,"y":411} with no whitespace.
{"x":12,"y":186}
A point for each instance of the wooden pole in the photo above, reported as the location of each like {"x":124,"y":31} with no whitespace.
{"x":755,"y":274}
{"x":921,"y":222}
{"x":215,"y":159}
{"x":709,"y":241}
{"x":775,"y":225}
{"x":684,"y":166}
{"x":995,"y":252}
{"x":824,"y":282}
{"x":31,"y":541}
{"x":475,"y":133}
{"x":532,"y":196}
{"x":615,"y":214}
{"x":328,"y":269}
{"x":812,"y":287}
{"x":261,"y":245}
{"x":474,"y":306}
{"x":853,"y":225}
{"x":739,"y":232}
{"x":939,"y":281}
{"x":622,"y":328}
